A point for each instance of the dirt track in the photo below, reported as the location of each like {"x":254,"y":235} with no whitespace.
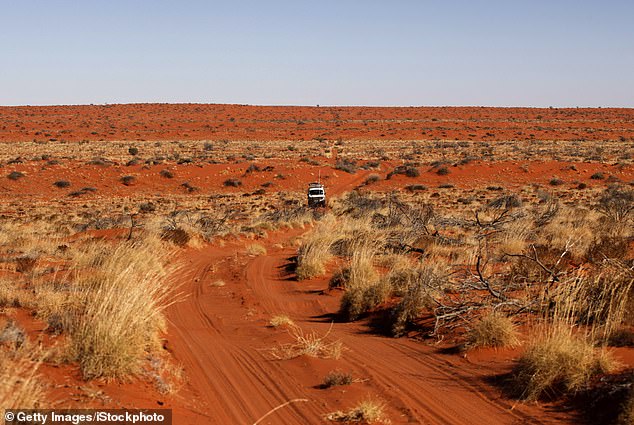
{"x":219,"y":334}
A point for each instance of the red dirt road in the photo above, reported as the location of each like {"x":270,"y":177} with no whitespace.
{"x":219,"y":334}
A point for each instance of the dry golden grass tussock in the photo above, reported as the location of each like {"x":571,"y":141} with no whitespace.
{"x":600,"y":299}
{"x":21,"y":386}
{"x":421,"y":288}
{"x":559,"y":361}
{"x":11,"y":295}
{"x":33,"y":238}
{"x":120,"y":318}
{"x":572,"y":228}
{"x":367,"y":411}
{"x":514,"y":238}
{"x":337,"y":378}
{"x":281,"y":320}
{"x":256,"y":249}
{"x":361,"y":271}
{"x":493,"y":330}
{"x":314,"y":252}
{"x":309,"y":344}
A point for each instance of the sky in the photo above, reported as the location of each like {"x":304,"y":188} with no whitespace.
{"x":560,"y":53}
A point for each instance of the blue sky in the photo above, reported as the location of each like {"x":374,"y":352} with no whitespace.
{"x":328,"y":52}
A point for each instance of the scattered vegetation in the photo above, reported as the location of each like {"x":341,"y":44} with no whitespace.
{"x":493,"y":330}
{"x":367,"y":411}
{"x":309,"y":344}
{"x":62,"y":184}
{"x":232,"y":182}
{"x":256,"y":249}
{"x":15,"y":175}
{"x":128,"y":180}
{"x":558,"y":362}
{"x":337,"y":378}
{"x":281,"y":320}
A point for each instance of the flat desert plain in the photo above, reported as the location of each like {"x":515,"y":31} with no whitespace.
{"x":473,"y":265}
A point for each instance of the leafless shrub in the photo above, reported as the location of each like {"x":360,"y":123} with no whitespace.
{"x":616,"y":203}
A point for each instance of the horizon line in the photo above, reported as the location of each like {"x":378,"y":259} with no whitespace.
{"x":305,"y":105}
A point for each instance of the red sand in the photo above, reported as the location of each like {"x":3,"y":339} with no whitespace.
{"x":219,"y":334}
{"x":241,"y":122}
{"x":209,"y":178}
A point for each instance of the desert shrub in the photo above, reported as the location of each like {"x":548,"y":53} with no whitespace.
{"x":336,"y":378}
{"x":556,"y":182}
{"x":617,"y":203}
{"x":367,"y":411}
{"x":505,"y":202}
{"x":256,"y":249}
{"x":99,"y":161}
{"x":493,"y":330}
{"x":557,"y":363}
{"x":347,"y":165}
{"x":166,"y":173}
{"x":133,"y":150}
{"x":82,"y":191}
{"x":407,"y":170}
{"x":128,"y":180}
{"x":15,"y":175}
{"x":232,"y":182}
{"x":281,"y":320}
{"x":443,"y":171}
{"x":252,"y":168}
{"x":419,"y":289}
{"x":309,"y":344}
{"x":597,"y":176}
{"x":357,"y":205}
{"x":147,"y":207}
{"x":372,"y":178}
{"x":189,"y":187}
{"x":61,"y":184}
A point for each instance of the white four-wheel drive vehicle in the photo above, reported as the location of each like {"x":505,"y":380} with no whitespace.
{"x":316,"y":195}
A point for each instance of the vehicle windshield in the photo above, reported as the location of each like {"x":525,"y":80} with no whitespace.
{"x":316,"y":192}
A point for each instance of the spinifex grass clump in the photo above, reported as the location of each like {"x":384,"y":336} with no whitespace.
{"x":493,"y":330}
{"x":315,"y":251}
{"x":120,"y":317}
{"x":558,"y":362}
